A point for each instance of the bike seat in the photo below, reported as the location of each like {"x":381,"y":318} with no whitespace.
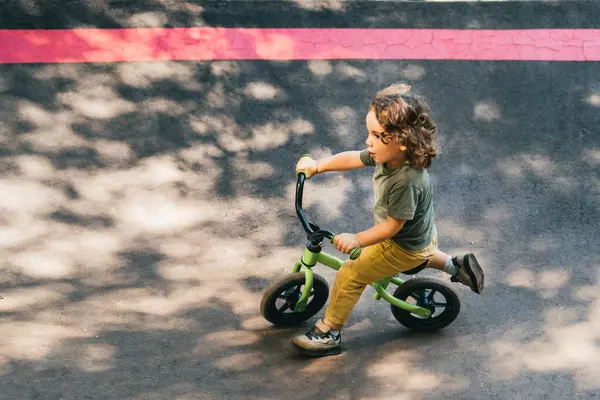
{"x":416,"y":269}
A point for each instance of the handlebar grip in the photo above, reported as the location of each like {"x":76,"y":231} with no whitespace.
{"x":354,"y":253}
{"x":302,"y":171}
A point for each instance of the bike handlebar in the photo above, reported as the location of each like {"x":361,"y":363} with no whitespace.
{"x":309,"y":228}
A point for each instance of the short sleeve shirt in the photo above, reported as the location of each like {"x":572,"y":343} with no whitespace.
{"x":404,"y":193}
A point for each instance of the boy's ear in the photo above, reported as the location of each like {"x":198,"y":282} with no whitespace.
{"x":403,"y":148}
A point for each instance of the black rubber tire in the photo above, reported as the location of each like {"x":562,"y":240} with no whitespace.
{"x":272,"y":314}
{"x":438,"y":322}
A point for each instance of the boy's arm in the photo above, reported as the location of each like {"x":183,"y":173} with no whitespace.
{"x":380,"y":232}
{"x":338,"y":162}
{"x":377,"y":234}
{"x":344,"y":161}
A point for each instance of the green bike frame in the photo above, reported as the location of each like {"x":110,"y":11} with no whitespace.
{"x":310,"y":259}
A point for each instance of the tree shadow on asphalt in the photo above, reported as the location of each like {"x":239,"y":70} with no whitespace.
{"x":148,"y":205}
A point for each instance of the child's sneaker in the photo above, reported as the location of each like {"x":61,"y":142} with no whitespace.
{"x":319,"y":341}
{"x":469,"y":272}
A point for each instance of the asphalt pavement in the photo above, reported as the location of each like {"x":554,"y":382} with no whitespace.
{"x":146,"y":207}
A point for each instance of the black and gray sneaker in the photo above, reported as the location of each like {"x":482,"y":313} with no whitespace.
{"x":469,"y":272}
{"x":319,"y":341}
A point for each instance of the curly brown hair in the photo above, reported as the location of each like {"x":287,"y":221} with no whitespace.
{"x":405,"y":118}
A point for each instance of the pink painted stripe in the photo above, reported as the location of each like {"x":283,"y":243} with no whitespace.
{"x":144,"y":44}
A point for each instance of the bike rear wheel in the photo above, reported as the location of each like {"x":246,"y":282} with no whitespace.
{"x":435,"y":295}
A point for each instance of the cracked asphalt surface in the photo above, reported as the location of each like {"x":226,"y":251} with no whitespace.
{"x":146,"y":206}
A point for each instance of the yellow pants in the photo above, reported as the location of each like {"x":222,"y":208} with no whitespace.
{"x":376,"y":262}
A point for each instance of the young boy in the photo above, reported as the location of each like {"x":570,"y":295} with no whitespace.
{"x":400,"y":145}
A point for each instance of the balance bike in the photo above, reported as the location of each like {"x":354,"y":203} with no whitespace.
{"x":420,"y":303}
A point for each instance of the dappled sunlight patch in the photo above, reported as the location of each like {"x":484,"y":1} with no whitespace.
{"x":591,"y":293}
{"x":328,"y":196}
{"x":37,"y":115}
{"x":230,"y":338}
{"x":319,"y":152}
{"x":342,"y":120}
{"x":188,"y":273}
{"x":594,"y":99}
{"x":159,"y":170}
{"x":45,"y":263}
{"x":56,"y":139}
{"x":99,"y":312}
{"x":255,"y":323}
{"x":546,"y":282}
{"x":218,"y":98}
{"x":144,"y":74}
{"x":156,"y":212}
{"x":255,"y":170}
{"x":349,"y":71}
{"x":154,"y":302}
{"x":276,"y":262}
{"x":23,"y":299}
{"x":113,"y":151}
{"x":224,"y":68}
{"x":163,"y":105}
{"x":210,"y":124}
{"x":270,"y":234}
{"x":201,"y":154}
{"x":149,"y":19}
{"x":318,"y":366}
{"x":320,"y":67}
{"x":96,"y":358}
{"x":268,"y":136}
{"x":498,"y":214}
{"x":97,"y":102}
{"x":522,"y":277}
{"x":486,"y":111}
{"x":301,"y":127}
{"x":35,"y":167}
{"x":452,"y":228}
{"x":27,"y":198}
{"x":240,"y":361}
{"x":179,"y":247}
{"x":415,"y":382}
{"x":51,"y":71}
{"x":317,"y":5}
{"x":260,"y":138}
{"x":413,"y":72}
{"x":504,"y":352}
{"x":25,"y":340}
{"x":592,"y":156}
{"x":553,"y":279}
{"x":21,"y":230}
{"x":52,"y":132}
{"x":568,"y":344}
{"x":262,"y":91}
{"x":538,"y":165}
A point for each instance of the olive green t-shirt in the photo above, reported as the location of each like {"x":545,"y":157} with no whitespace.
{"x":404,"y":193}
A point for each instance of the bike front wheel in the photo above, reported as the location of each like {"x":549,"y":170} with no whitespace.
{"x":280,"y":298}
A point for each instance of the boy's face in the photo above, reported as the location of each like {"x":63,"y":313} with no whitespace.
{"x":391,"y":153}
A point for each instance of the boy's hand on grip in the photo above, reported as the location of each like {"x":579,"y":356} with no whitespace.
{"x":308,"y":166}
{"x":345,"y":242}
